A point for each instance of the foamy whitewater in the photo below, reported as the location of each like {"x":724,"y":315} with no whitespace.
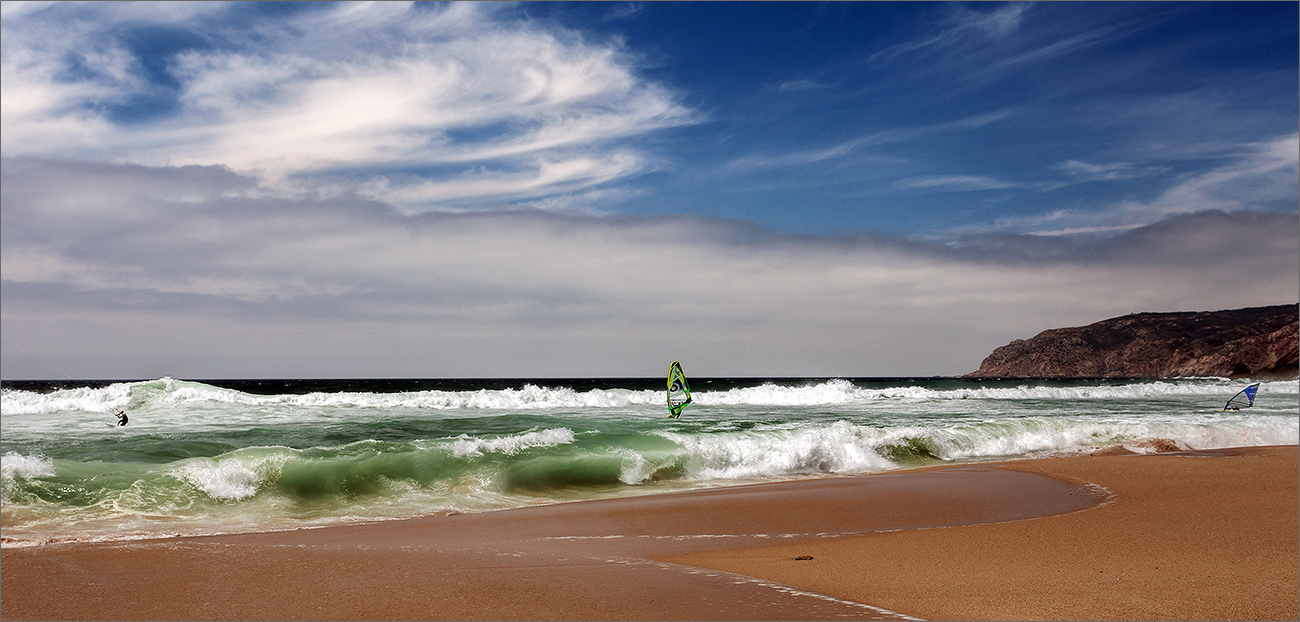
{"x":261,"y":455}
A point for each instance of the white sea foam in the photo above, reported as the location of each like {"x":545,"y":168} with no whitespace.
{"x":844,"y":447}
{"x":226,"y":479}
{"x":465,"y":446}
{"x":840,"y":447}
{"x":14,"y":464}
{"x":635,"y":468}
{"x":830,"y":392}
{"x":168,"y":391}
{"x":1136,"y":390}
{"x":1030,"y":436}
{"x":15,"y":402}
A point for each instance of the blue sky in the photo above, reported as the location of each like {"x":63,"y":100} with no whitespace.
{"x":938,"y":117}
{"x":247,"y":189}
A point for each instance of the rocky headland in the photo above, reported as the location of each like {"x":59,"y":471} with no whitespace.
{"x":1259,"y":343}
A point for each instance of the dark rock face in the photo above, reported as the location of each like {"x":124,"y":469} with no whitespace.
{"x":1259,"y":343}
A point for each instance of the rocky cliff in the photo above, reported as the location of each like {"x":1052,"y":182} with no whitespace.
{"x":1259,"y":343}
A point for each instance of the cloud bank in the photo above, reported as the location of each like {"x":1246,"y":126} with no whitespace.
{"x":192,"y":274}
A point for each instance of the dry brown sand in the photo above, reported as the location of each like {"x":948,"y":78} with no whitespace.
{"x":1186,"y":536}
{"x":1174,"y":536}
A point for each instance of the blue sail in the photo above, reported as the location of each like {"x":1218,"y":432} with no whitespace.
{"x":1244,"y":398}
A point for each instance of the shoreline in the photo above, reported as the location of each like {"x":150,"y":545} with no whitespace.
{"x":1158,"y":446}
{"x":882,"y":546}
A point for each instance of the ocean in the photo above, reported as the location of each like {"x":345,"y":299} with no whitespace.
{"x":228,"y":456}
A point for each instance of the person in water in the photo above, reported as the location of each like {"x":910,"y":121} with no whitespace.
{"x":121,"y":418}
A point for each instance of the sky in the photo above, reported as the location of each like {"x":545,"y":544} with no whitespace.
{"x":315,"y":190}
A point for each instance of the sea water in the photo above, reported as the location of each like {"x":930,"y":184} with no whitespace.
{"x":237,"y":456}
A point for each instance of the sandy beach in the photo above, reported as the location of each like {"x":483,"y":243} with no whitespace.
{"x":1182,"y":535}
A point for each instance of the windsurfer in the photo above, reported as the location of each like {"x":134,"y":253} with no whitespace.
{"x":1243,"y":399}
{"x":121,"y":418}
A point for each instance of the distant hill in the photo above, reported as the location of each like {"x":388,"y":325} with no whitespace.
{"x":1259,"y":343}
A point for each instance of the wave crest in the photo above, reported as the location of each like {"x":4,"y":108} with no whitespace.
{"x":14,"y":465}
{"x":464,"y":446}
{"x":225,"y":480}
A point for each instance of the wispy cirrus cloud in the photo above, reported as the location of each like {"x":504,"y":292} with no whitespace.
{"x":959,"y":183}
{"x":959,"y":27}
{"x":1259,"y":175}
{"x":1080,"y":171}
{"x":542,"y":178}
{"x":449,"y":91}
{"x":1076,"y":171}
{"x":994,"y":43}
{"x":1263,"y":176}
{"x":756,"y":163}
{"x":759,"y":162}
{"x":801,"y":84}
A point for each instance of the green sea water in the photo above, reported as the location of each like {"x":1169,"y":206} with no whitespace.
{"x":233,"y":456}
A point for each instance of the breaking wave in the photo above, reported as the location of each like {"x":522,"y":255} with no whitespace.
{"x":168,"y":391}
{"x":199,"y":458}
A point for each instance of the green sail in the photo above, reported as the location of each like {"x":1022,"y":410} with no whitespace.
{"x":679,"y":392}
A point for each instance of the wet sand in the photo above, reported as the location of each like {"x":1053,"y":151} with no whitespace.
{"x":1170,"y":536}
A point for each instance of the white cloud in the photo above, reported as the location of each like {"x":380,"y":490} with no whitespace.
{"x":336,"y":287}
{"x":541,"y":179}
{"x":1262,"y":176}
{"x":959,"y":183}
{"x":1080,"y":171}
{"x":959,"y":27}
{"x":756,"y":163}
{"x":365,"y":92}
{"x":801,"y":84}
